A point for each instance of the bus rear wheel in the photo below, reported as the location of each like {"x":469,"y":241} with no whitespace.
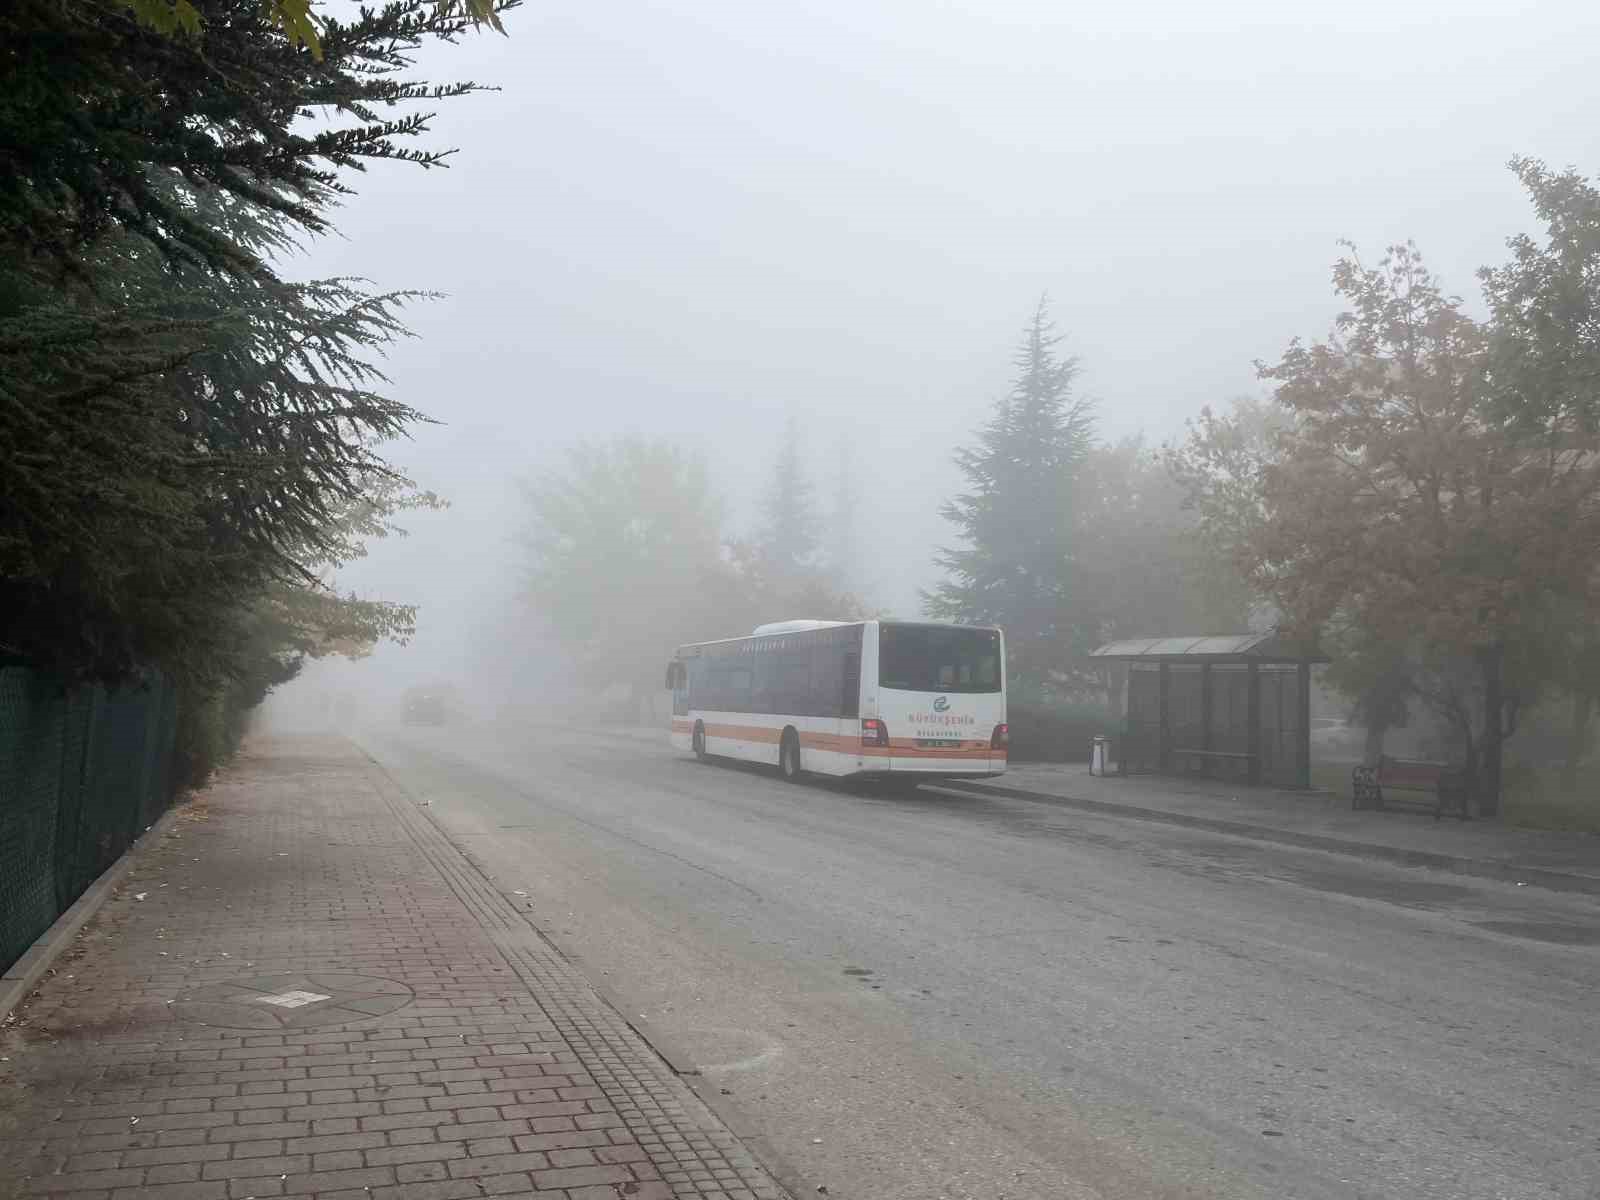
{"x":699,"y":741}
{"x":789,"y":756}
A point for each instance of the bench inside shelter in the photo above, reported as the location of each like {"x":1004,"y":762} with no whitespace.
{"x":1214,"y":763}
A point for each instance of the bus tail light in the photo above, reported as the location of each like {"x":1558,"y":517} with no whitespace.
{"x":1002,"y":737}
{"x":874,"y":732}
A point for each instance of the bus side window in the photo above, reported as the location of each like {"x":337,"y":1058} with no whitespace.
{"x":765,"y":664}
{"x":740,"y":679}
{"x":850,"y":691}
{"x":792,"y":692}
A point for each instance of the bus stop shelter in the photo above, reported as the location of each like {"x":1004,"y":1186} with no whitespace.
{"x":1236,"y":707}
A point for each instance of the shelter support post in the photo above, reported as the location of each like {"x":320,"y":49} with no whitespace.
{"x":1253,"y":704}
{"x":1164,"y":722}
{"x":1303,"y":732}
{"x":1127,"y":720}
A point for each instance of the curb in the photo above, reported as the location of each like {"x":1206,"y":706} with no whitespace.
{"x":733,"y":1117}
{"x":738,"y":1122}
{"x":20,"y":979}
{"x":1477,"y":868}
{"x":1480,"y":868}
{"x":664,"y":1046}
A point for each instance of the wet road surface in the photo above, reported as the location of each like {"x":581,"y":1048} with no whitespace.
{"x":933,"y":995}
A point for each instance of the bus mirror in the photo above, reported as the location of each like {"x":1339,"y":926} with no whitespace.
{"x":672,"y":676}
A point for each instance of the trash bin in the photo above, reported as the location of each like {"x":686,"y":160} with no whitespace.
{"x":1099,"y":755}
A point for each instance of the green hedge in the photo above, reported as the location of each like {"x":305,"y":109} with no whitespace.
{"x":1058,"y":733}
{"x":211,"y":724}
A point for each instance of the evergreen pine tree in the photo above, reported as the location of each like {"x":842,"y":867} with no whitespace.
{"x":1016,"y":518}
{"x":189,"y":444}
{"x":101,"y":112}
{"x":844,"y":550}
{"x":178,"y":448}
{"x":789,"y":537}
{"x":187,"y":441}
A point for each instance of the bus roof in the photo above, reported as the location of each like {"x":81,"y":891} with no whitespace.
{"x":778,"y":628}
{"x":793,"y":627}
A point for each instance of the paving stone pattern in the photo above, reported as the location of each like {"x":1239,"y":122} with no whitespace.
{"x":501,"y":1073}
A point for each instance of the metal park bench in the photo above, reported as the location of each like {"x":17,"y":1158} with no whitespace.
{"x":1448,"y":784}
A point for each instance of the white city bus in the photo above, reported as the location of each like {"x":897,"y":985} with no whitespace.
{"x":903,"y":698}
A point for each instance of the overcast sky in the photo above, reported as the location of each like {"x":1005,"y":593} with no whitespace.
{"x":692,"y":218}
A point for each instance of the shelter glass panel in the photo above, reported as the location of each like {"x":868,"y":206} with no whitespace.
{"x":1280,"y":724}
{"x":1141,"y":743}
{"x":1185,"y":707}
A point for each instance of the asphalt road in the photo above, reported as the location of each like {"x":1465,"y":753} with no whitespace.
{"x":929,"y":995}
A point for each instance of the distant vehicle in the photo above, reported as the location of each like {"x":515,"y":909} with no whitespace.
{"x":909,"y":700}
{"x":435,"y":705}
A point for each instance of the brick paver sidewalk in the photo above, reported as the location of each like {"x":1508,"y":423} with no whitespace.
{"x":303,"y":989}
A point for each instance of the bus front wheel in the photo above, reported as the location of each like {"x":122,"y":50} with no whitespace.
{"x":789,"y":756}
{"x":699,"y":741}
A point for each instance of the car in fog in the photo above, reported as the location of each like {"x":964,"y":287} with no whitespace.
{"x":432,"y":705}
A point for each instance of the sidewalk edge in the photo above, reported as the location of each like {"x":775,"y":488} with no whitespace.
{"x":1481,"y":868}
{"x":737,"y":1121}
{"x":20,"y":979}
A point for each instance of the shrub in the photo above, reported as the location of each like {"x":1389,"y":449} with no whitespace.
{"x":1058,"y":733}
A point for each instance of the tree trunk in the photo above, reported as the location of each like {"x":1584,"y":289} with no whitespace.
{"x":1474,"y":777}
{"x":1458,"y":715}
{"x":1494,"y":703}
{"x":1374,"y":748}
{"x":1577,"y":739}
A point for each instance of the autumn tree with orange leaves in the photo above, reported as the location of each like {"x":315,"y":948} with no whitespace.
{"x":1431,"y":490}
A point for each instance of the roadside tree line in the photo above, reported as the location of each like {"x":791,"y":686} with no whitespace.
{"x":1419,"y":491}
{"x":190,"y":441}
{"x":1067,"y":541}
{"x":1423,"y":490}
{"x":630,"y":550}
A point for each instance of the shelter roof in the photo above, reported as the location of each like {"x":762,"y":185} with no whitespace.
{"x":1271,"y":647}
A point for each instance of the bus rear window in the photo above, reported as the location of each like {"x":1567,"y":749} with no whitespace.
{"x":933,"y":658}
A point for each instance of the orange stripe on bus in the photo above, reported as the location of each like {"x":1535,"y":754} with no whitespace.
{"x":746,"y":733}
{"x":841,"y":743}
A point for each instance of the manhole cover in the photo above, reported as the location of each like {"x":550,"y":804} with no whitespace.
{"x":292,"y":1001}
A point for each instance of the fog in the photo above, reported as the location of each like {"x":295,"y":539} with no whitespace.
{"x":694,"y":220}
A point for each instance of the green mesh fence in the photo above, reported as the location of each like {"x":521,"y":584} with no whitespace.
{"x":82,"y":774}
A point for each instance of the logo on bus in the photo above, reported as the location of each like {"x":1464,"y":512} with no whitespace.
{"x":940,"y":716}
